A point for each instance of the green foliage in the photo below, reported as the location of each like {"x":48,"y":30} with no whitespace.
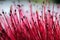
{"x":56,"y":1}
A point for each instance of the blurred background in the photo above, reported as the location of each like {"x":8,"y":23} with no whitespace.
{"x":55,"y":1}
{"x":5,"y":4}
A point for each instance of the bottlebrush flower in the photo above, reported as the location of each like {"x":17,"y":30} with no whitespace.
{"x":17,"y":26}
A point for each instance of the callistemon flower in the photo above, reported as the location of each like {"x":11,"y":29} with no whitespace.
{"x":20,"y":25}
